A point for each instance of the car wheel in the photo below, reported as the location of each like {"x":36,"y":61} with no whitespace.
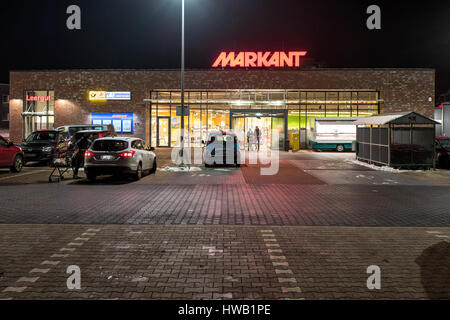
{"x":17,"y":164}
{"x":138,"y":174}
{"x":153,"y":169}
{"x":91,"y":176}
{"x":340,"y":148}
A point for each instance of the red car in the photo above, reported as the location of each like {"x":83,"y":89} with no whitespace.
{"x":11,"y":156}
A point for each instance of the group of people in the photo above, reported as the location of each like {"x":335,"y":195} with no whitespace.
{"x":254,"y":139}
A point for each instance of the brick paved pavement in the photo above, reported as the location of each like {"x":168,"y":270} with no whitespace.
{"x":223,"y":262}
{"x":309,"y":205}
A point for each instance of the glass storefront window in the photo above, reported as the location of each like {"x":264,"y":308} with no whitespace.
{"x":211,"y":110}
{"x":218,"y":119}
{"x":38,"y":111}
{"x":345,"y":111}
{"x":195,"y":128}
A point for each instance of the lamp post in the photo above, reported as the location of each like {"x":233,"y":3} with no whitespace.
{"x":182,"y":85}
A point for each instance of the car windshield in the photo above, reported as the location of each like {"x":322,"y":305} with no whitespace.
{"x":41,"y":136}
{"x":109,"y":145}
{"x":445,"y":143}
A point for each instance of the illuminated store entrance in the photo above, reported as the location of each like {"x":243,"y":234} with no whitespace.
{"x":271,"y":124}
{"x":290,"y":113}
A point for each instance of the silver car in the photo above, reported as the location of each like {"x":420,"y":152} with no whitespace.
{"x":119,"y":156}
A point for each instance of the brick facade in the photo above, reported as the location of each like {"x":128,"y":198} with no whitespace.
{"x":400,"y":89}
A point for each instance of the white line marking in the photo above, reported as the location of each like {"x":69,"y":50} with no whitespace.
{"x":53,"y":263}
{"x":75,"y":244}
{"x":28,"y":279}
{"x":283,"y":280}
{"x":278,"y":271}
{"x":442,"y":236}
{"x":280,"y":264}
{"x":23,"y":174}
{"x":67,"y":249}
{"x":266,"y":231}
{"x":268,"y":235}
{"x":82,"y":239}
{"x":14,"y":289}
{"x":37,"y":270}
{"x":278,"y":257}
{"x":275,"y":251}
{"x":93,"y":230}
{"x":272,"y":245}
{"x":88,"y":234}
{"x":270,"y":240}
{"x":434,"y":232}
{"x":295,"y":289}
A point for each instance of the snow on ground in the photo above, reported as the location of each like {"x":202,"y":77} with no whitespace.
{"x":381,"y":168}
{"x":181,"y":169}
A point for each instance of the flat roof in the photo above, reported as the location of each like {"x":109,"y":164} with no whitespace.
{"x":229,"y":69}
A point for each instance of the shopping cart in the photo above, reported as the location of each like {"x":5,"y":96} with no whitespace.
{"x":61,"y":163}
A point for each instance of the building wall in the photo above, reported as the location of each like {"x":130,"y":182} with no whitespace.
{"x":4,"y":110}
{"x":400,"y":89}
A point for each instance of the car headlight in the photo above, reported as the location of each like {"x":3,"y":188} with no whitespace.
{"x":46,"y":149}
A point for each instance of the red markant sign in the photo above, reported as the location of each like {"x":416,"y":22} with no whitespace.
{"x":248,"y":59}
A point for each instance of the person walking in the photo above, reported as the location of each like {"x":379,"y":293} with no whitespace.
{"x":249,"y":138}
{"x":258,"y":136}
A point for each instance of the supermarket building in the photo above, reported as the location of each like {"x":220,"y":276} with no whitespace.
{"x":144,"y":103}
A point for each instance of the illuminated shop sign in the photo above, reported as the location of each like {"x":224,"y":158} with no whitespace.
{"x":250,"y":59}
{"x":103,"y":96}
{"x":122,"y":122}
{"x":38,"y":98}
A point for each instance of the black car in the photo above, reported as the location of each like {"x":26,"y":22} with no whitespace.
{"x":40,"y":145}
{"x":443,"y":152}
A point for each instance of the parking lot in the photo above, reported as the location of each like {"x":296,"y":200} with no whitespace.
{"x":308,"y":232}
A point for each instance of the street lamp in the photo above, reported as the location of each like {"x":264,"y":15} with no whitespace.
{"x":182,"y":85}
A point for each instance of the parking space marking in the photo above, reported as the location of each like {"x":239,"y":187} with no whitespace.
{"x":53,"y":263}
{"x":37,"y":270}
{"x":281,"y":267}
{"x":22,"y":174}
{"x":14,"y":289}
{"x":75,"y":244}
{"x":438,"y":234}
{"x":48,"y":262}
{"x":28,"y":279}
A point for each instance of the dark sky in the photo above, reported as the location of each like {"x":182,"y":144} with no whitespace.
{"x":146,"y":33}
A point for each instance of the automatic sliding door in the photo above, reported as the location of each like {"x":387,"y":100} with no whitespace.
{"x":163,"y":135}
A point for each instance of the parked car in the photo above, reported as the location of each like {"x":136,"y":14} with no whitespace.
{"x":40,"y":145}
{"x":443,"y":152}
{"x":222,"y":148}
{"x":74,"y":128}
{"x":119,"y":156}
{"x":11,"y":156}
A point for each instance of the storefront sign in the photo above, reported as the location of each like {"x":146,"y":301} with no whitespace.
{"x":250,"y":59}
{"x":122,"y":122}
{"x":103,"y":96}
{"x":38,"y":98}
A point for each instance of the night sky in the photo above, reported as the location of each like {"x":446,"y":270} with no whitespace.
{"x":146,"y":33}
